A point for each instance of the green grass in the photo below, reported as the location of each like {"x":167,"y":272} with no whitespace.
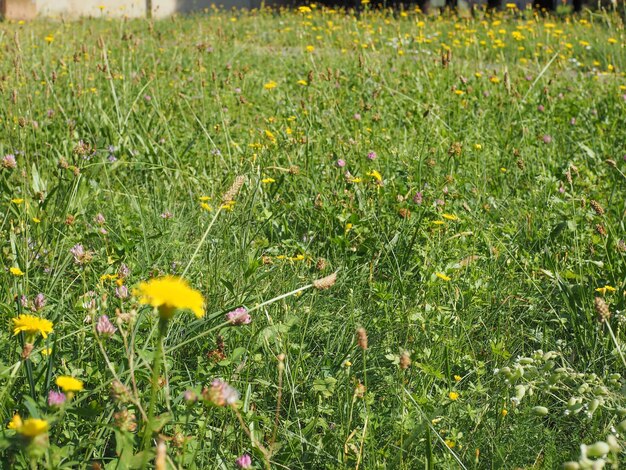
{"x":486,"y":139}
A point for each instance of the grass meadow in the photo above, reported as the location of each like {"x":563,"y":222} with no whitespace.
{"x":313,"y":239}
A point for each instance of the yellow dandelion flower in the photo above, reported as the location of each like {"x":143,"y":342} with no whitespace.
{"x":310,"y":48}
{"x":504,"y":412}
{"x":459,"y":92}
{"x":443,"y":277}
{"x":49,"y":38}
{"x":15,"y":423}
{"x":32,"y":325}
{"x":302,"y":82}
{"x":206,"y":207}
{"x":494,"y":79}
{"x":612,"y":41}
{"x":33,"y":427}
{"x":16,"y":271}
{"x":205,"y":198}
{"x":69,"y":384}
{"x":439,"y":222}
{"x":169,"y":294}
{"x":46,"y":351}
{"x":449,"y":216}
{"x":36,"y":220}
{"x":270,"y":85}
{"x":457,"y":378}
{"x":450,"y":443}
{"x":17,"y":200}
{"x":376,"y":175}
{"x":268,"y":180}
{"x":454,"y":396}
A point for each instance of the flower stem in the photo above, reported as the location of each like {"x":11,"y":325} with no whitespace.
{"x":156,"y":372}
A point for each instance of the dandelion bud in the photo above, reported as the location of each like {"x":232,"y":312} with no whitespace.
{"x":595,"y":205}
{"x":540,"y":410}
{"x":405,"y":360}
{"x":234,"y":189}
{"x":325,"y":282}
{"x":602,"y":309}
{"x":361,"y":336}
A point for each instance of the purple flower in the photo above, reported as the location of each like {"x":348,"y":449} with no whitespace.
{"x":121,"y":292}
{"x":80,"y":255}
{"x":105,"y":327}
{"x":23,"y":301}
{"x":245,"y":461}
{"x":357,"y":117}
{"x":190,"y":397}
{"x":147,"y":97}
{"x":111,"y":158}
{"x":418,"y":198}
{"x":99,"y":219}
{"x":39,"y":303}
{"x":547,"y":138}
{"x":239,"y":316}
{"x":56,"y":398}
{"x":341,"y":163}
{"x":540,"y":108}
{"x":372,"y":155}
{"x":221,"y":394}
{"x":8,"y":161}
{"x":561,"y":188}
{"x":123,"y":271}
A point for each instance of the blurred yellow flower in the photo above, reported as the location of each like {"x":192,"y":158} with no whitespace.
{"x":169,"y":294}
{"x":16,"y":271}
{"x":449,"y":216}
{"x":454,"y":396}
{"x":376,"y":175}
{"x":310,"y":48}
{"x":443,"y":277}
{"x":31,"y":427}
{"x":270,"y":85}
{"x":268,"y":180}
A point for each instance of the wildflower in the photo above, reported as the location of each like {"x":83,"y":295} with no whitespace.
{"x":449,"y":216}
{"x":39,"y":302}
{"x":405,"y":360}
{"x":372,"y":156}
{"x":16,"y":271}
{"x":81,"y":256}
{"x":125,"y":420}
{"x":457,"y":378}
{"x":547,"y":139}
{"x":221,"y":394}
{"x":32,"y":325}
{"x":449,"y":443}
{"x":121,"y":292}
{"x":361,"y":336}
{"x":376,"y":175}
{"x":268,"y":180}
{"x":9,"y":162}
{"x":325,"y":282}
{"x":310,"y":48}
{"x":239,"y":316}
{"x":454,"y":396}
{"x":245,"y":461}
{"x":69,"y":384}
{"x":169,"y":294}
{"x":302,"y":82}
{"x":30,"y":428}
{"x":56,"y":398}
{"x":504,"y":412}
{"x":190,"y":397}
{"x":341,"y":163}
{"x":418,"y":198}
{"x":270,"y":85}
{"x":443,"y":277}
{"x":105,"y":327}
